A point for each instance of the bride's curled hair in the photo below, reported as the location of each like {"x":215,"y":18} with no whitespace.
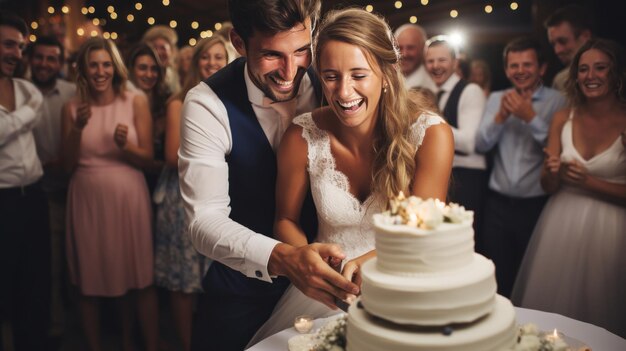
{"x":394,"y":162}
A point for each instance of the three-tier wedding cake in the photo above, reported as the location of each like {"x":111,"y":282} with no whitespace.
{"x":427,"y":289}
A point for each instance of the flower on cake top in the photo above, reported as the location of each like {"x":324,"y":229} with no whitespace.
{"x":425,"y":214}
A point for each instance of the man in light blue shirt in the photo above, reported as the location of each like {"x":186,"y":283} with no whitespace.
{"x":516,"y":123}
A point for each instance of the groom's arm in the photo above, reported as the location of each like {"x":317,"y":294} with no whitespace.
{"x":205,"y":141}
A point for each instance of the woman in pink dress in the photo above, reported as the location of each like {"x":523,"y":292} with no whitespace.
{"x":107,"y":137}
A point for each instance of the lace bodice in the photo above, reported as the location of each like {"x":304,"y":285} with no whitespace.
{"x":342,"y":218}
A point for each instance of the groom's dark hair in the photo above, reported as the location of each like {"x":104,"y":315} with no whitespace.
{"x":271,"y":16}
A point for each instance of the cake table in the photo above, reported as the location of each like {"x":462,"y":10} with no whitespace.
{"x":599,"y":339}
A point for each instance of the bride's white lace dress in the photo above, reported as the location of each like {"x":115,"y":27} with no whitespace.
{"x":342,"y":218}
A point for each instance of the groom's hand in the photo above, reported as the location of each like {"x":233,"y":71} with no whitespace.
{"x":307,"y":268}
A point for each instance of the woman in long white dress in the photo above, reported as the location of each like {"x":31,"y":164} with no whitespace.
{"x":369,"y":143}
{"x":575,"y":264}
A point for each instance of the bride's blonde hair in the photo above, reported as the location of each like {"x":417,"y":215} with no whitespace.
{"x":394,"y":162}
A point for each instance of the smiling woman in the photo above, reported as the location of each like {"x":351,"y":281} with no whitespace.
{"x":107,"y":137}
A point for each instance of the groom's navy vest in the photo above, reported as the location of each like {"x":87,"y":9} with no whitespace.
{"x":251,"y":180}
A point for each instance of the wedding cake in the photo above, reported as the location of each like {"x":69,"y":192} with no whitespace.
{"x":427,"y":289}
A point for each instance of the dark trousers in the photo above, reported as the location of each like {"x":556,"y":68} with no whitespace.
{"x":227,"y":322}
{"x":507,"y":227}
{"x":468,"y":188}
{"x":25,"y":265}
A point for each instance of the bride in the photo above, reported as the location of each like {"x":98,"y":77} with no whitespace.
{"x":369,"y":143}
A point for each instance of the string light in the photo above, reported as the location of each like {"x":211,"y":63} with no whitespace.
{"x":369,"y":8}
{"x":424,"y":2}
{"x":32,"y":38}
{"x":113,"y":15}
{"x":94,"y":33}
{"x":113,"y":35}
{"x":454,"y":13}
{"x":166,"y":2}
{"x":218,"y":26}
{"x":488,"y":9}
{"x":195,"y":24}
{"x":95,"y":21}
{"x":138,"y":6}
{"x":80,"y":32}
{"x":514,"y":6}
{"x":398,"y":4}
{"x":173,"y":24}
{"x":150,"y":20}
{"x":65,"y":9}
{"x":130,"y":17}
{"x":91,"y":9}
{"x":110,"y":9}
{"x":413,"y":19}
{"x":34,"y":25}
{"x":50,"y":10}
{"x":84,"y":10}
{"x":106,"y":35}
{"x":192,"y":42}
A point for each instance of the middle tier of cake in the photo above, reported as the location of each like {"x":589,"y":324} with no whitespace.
{"x":430,"y":299}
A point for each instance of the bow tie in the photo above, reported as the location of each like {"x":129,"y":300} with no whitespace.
{"x":286,"y":109}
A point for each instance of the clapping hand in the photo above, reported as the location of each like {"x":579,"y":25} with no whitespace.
{"x":551,"y":163}
{"x":574,"y":173}
{"x":120,"y":136}
{"x":519,"y":104}
{"x":83,"y":113}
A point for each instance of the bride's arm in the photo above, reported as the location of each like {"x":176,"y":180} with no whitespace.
{"x":292,"y":184}
{"x":433,"y":163}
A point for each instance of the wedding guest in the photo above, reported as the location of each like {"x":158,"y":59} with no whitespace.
{"x":568,"y":29}
{"x":46,"y":57}
{"x":411,"y":39}
{"x":147,"y":75}
{"x":24,"y":228}
{"x":585,"y":170}
{"x":370,"y":143}
{"x":480,"y":73}
{"x":462,"y":106}
{"x":179,"y":268}
{"x":516,"y":122}
{"x":183,"y":62}
{"x":163,"y":39}
{"x":107,"y":139}
{"x":231,"y":125}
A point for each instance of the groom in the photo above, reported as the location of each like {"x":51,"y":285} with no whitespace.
{"x":231,"y":126}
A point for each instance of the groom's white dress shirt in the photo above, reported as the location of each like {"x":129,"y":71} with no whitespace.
{"x":205,"y":142}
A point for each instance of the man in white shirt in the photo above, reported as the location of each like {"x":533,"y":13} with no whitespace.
{"x":46,"y":57}
{"x":24,"y":236}
{"x":462,"y":104}
{"x":568,"y":29}
{"x":411,"y":38}
{"x":231,"y":126}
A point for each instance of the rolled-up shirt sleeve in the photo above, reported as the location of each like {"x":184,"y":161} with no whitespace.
{"x":203,"y":170}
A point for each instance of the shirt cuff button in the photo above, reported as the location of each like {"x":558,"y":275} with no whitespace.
{"x":258,"y":274}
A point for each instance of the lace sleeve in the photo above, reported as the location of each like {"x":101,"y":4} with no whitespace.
{"x":418,"y":129}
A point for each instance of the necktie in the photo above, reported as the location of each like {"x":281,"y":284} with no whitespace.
{"x":439,"y":95}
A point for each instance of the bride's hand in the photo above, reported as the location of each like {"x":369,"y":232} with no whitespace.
{"x":352,"y":269}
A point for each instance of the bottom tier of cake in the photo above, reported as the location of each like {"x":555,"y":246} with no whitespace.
{"x":494,"y":332}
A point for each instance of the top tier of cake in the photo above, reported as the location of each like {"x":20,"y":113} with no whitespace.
{"x":423,"y":236}
{"x":406,"y":250}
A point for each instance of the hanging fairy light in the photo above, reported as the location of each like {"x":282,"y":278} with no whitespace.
{"x":413,"y":19}
{"x":369,"y":8}
{"x":514,"y":6}
{"x":488,"y":9}
{"x":454,"y":13}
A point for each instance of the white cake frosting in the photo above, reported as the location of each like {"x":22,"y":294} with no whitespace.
{"x":406,"y":250}
{"x":426,"y":276}
{"x":459,"y":296}
{"x":495,"y":332}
